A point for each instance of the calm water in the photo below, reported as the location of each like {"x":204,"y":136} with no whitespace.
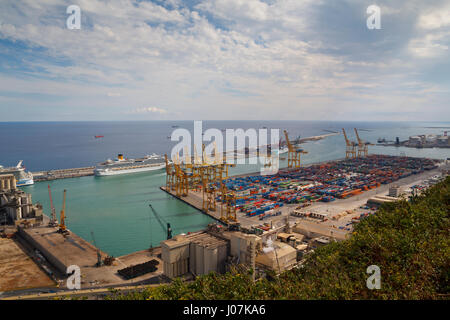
{"x":116,"y":208}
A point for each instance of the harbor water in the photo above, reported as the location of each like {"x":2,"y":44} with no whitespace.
{"x":116,"y":208}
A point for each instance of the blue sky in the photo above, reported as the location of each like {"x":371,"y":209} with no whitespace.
{"x":224,"y":59}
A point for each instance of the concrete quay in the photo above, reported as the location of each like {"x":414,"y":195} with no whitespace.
{"x":63,"y":174}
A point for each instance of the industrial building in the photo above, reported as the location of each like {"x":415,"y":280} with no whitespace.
{"x":16,"y":206}
{"x":281,"y":258}
{"x":380,"y":199}
{"x":394,"y":191}
{"x":198,"y":253}
{"x":428,"y":141}
{"x":211,"y":251}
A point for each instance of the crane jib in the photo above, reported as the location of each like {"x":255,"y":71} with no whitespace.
{"x":161,"y":222}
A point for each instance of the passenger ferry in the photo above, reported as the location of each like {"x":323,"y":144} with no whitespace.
{"x":122,"y":165}
{"x":23,"y":178}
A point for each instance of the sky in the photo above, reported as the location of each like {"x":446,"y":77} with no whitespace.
{"x":224,"y":59}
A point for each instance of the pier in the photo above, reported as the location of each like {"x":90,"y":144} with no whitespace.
{"x":63,"y":174}
{"x":55,"y":252}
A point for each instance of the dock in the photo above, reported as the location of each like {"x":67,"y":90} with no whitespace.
{"x":63,"y":174}
{"x":319,"y":137}
{"x":195,"y":200}
{"x":315,"y":196}
{"x":57,"y":252}
{"x":60,"y":250}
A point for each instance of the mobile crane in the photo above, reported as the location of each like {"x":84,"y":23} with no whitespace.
{"x":53,"y":221}
{"x":62,"y":225}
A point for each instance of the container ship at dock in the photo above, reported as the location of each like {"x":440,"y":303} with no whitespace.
{"x":124,"y":166}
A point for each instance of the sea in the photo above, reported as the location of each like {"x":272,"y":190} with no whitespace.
{"x":115,"y":210}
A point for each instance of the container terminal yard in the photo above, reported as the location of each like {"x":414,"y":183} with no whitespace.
{"x":264,"y":222}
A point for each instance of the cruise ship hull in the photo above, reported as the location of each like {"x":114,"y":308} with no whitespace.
{"x":111,"y":172}
{"x":25,"y":182}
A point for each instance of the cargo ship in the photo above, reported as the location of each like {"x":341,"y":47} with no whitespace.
{"x":23,"y":178}
{"x":123,"y":166}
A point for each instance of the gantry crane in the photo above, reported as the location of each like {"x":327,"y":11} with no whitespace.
{"x":203,"y":173}
{"x":170,"y":175}
{"x":181,"y":181}
{"x":363,"y":146}
{"x":228,"y":205}
{"x":62,"y":225}
{"x":350,"y":151}
{"x":53,"y":221}
{"x":209,"y":196}
{"x":176,"y":177}
{"x":294,"y":153}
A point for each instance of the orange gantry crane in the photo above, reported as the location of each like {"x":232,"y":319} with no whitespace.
{"x":350,"y":151}
{"x":228,"y":205}
{"x":294,"y":153}
{"x":62,"y":225}
{"x":203,"y":174}
{"x":363,"y":146}
{"x":170,"y":174}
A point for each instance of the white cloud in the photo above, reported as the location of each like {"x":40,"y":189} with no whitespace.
{"x":237,"y":9}
{"x":431,"y":45}
{"x":149,"y":110}
{"x":436,"y":18}
{"x":257,"y":63}
{"x":434,"y":33}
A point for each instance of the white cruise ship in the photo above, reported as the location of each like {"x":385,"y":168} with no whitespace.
{"x":23,"y":178}
{"x":122,"y":165}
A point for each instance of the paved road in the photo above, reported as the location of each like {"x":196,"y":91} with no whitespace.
{"x":75,"y":293}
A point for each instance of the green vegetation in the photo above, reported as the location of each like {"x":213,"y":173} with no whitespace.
{"x":409,"y":241}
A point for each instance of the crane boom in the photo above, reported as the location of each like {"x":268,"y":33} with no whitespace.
{"x":362,"y":146}
{"x":99,"y":255}
{"x":290,"y":147}
{"x":53,"y":221}
{"x":161,"y":222}
{"x":357,"y":137}
{"x":62,"y":225}
{"x":346,"y":139}
{"x":350,"y":151}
